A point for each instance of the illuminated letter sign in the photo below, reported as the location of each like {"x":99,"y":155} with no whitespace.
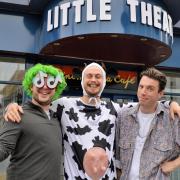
{"x":86,"y":11}
{"x":62,"y":10}
{"x":151,"y":15}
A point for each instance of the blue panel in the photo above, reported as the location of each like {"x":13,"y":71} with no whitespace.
{"x":18,"y":32}
{"x":120,"y":23}
{"x":174,"y":59}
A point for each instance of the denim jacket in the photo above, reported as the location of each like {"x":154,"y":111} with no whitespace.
{"x":162,"y":143}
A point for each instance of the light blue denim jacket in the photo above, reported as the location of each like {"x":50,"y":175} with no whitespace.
{"x":162,"y":143}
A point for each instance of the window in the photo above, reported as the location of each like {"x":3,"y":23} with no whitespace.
{"x":11,"y":69}
{"x":11,"y":75}
{"x":172,"y":91}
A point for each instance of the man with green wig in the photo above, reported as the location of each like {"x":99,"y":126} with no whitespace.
{"x":35,"y":143}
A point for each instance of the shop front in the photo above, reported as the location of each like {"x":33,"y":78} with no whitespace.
{"x":124,"y":37}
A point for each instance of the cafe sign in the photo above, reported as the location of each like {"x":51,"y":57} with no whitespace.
{"x":120,"y":80}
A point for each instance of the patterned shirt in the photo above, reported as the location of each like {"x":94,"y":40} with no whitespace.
{"x":83,"y":128}
{"x":162,"y":143}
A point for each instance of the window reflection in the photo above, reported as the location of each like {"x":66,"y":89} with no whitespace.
{"x":172,"y":91}
{"x":172,"y":98}
{"x":9,"y":93}
{"x":11,"y":71}
{"x":173,"y":82}
{"x":11,"y":75}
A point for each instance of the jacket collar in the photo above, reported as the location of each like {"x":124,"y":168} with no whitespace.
{"x":159,"y":109}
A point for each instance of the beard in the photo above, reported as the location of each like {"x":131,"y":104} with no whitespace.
{"x":42,"y":103}
{"x":45,"y":103}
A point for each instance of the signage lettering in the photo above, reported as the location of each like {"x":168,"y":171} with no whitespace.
{"x":123,"y":79}
{"x":151,"y":15}
{"x":125,"y":82}
{"x":62,"y":11}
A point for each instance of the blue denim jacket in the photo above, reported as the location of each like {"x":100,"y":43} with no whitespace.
{"x":162,"y":143}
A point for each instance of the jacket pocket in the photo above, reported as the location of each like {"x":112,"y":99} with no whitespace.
{"x":125,"y":152}
{"x":162,"y":150}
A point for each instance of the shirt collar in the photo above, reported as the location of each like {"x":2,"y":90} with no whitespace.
{"x":160,"y":109}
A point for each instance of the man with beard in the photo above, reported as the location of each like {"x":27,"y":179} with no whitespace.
{"x":35,"y":144}
{"x":88,"y":126}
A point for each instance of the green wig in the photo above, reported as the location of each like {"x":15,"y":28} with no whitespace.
{"x":48,"y":69}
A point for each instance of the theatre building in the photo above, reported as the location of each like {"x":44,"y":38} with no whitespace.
{"x":124,"y":36}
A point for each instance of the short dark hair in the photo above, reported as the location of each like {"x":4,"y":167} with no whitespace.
{"x":155,"y":74}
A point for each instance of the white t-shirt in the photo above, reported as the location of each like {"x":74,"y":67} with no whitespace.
{"x":144,"y":126}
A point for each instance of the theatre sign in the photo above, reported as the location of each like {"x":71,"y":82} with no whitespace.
{"x":151,"y":15}
{"x":127,"y":31}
